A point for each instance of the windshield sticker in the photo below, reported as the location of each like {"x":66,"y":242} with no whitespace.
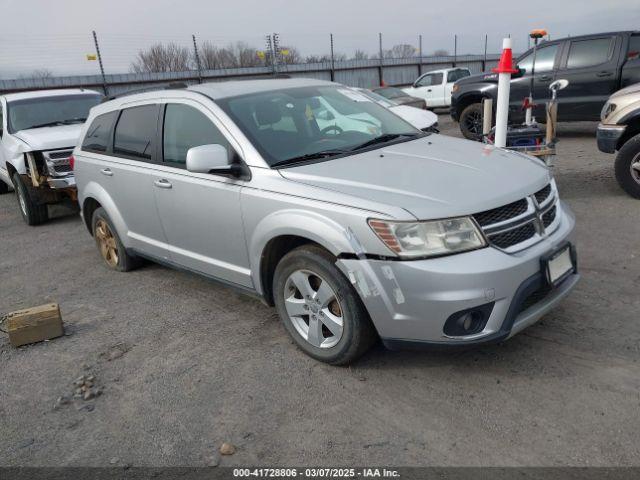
{"x":354,"y":95}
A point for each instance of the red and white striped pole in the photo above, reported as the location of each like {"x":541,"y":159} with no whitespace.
{"x":504,"y":71}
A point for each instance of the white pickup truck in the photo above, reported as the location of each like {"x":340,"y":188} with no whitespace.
{"x":38,"y":131}
{"x":435,"y":86}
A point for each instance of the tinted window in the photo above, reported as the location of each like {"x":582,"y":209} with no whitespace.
{"x":184,"y":128}
{"x":98,"y":135}
{"x":634,"y":48}
{"x":545,"y":58}
{"x":430,"y":79}
{"x":586,"y":53}
{"x":135,"y":132}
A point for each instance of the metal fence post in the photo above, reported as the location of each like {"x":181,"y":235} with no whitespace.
{"x":380,"y":66}
{"x":104,"y":79}
{"x":197,"y":57}
{"x":455,"y":49}
{"x":333,"y":67}
{"x":420,"y":53}
{"x":484,"y":62}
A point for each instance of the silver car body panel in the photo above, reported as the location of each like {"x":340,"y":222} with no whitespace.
{"x":220,"y":226}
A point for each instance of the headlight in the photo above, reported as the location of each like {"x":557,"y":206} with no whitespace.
{"x":608,"y":109}
{"x":427,"y":239}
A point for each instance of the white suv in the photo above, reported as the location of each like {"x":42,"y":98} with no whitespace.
{"x":38,"y":131}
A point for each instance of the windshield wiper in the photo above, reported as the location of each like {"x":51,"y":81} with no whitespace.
{"x":74,"y":120}
{"x":309,"y":156}
{"x":48,"y":124}
{"x":384,"y":138}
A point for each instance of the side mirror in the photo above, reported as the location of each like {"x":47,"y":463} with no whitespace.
{"x":559,"y":85}
{"x":520,"y":72}
{"x":213,"y":159}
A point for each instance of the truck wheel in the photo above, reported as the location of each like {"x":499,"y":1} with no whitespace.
{"x":319,"y":308}
{"x":628,"y":167}
{"x":32,"y":213}
{"x":112,"y":251}
{"x":471,"y":121}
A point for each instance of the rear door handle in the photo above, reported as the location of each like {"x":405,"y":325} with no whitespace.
{"x":107,"y":172}
{"x":163,"y":183}
{"x":604,"y":74}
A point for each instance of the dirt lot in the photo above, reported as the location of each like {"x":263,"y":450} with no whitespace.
{"x":186,"y":364}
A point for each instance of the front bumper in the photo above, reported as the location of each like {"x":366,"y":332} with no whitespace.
{"x":608,"y":137}
{"x":410,"y":301}
{"x":62,"y":182}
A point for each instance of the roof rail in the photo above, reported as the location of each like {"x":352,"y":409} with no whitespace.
{"x":170,"y":86}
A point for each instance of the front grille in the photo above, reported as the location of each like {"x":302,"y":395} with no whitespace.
{"x":501,"y":214}
{"x":59,"y":154}
{"x":513,"y":237}
{"x":62,"y":168}
{"x":542,"y":195}
{"x":536,"y":297}
{"x":549,"y":216}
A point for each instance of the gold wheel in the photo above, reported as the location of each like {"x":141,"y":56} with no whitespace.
{"x":106,"y":243}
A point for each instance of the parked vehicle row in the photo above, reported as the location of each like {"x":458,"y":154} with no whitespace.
{"x":38,"y":131}
{"x":594,"y":65}
{"x":367,"y":227}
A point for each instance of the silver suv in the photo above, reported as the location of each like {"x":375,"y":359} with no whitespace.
{"x":353,"y":223}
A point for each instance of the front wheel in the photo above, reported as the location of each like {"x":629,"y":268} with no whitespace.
{"x":32,"y":213}
{"x":471,"y":122}
{"x":627,"y":167}
{"x":111,"y":249}
{"x":319,"y":308}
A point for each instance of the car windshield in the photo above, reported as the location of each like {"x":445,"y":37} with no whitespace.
{"x":305,"y":123}
{"x":390,"y":92}
{"x":49,"y":111}
{"x":385,"y":102}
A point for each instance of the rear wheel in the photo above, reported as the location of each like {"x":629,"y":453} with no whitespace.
{"x":471,"y":121}
{"x":627,"y":167}
{"x":319,"y":308}
{"x":32,"y":213}
{"x":111,"y":250}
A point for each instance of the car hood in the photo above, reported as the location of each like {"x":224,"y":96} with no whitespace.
{"x":630,"y":90}
{"x":432,"y":177}
{"x":47,"y":138}
{"x":486,"y":77}
{"x":417,"y":117}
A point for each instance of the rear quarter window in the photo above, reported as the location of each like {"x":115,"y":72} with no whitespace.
{"x":98,"y":136}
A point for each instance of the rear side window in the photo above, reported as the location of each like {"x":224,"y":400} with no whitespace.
{"x":587,"y":53}
{"x":186,"y":127}
{"x":98,"y":135}
{"x":135,"y":132}
{"x":454,"y":75}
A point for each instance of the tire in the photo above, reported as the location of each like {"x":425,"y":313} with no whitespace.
{"x":627,"y":176}
{"x":315,"y":268}
{"x":32,"y":213}
{"x":111,"y":250}
{"x":471,"y":122}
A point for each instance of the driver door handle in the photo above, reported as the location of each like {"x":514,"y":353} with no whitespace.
{"x":163,"y":183}
{"x":604,"y":74}
{"x":107,"y":172}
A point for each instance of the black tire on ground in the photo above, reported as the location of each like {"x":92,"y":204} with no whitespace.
{"x":471,"y":122}
{"x":115,"y":256}
{"x":358,"y":334}
{"x":628,"y":178}
{"x":4,"y":188}
{"x":32,"y":213}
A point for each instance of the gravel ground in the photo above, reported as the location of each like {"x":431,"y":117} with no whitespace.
{"x":186,"y":364}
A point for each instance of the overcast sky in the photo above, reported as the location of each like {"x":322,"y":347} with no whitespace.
{"x":56,"y":34}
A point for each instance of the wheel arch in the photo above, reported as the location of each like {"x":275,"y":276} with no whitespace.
{"x":466,"y":100}
{"x":94,"y":196}
{"x":633,"y":129}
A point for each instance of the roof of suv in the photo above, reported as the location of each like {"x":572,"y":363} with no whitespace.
{"x":48,"y":93}
{"x":233,"y":88}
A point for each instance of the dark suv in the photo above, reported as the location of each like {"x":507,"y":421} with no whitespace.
{"x":595,"y":65}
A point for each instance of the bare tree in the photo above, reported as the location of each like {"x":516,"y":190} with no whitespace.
{"x":402,"y":50}
{"x":163,"y":58}
{"x":360,"y":55}
{"x":441,"y":53}
{"x":235,"y":55}
{"x":290,"y":55}
{"x":38,"y":74}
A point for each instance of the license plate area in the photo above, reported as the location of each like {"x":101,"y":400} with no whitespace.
{"x":558,"y":265}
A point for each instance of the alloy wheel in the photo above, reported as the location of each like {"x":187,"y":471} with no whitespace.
{"x":106,"y":243}
{"x":313,"y":308}
{"x":473,"y":122}
{"x":635,"y":168}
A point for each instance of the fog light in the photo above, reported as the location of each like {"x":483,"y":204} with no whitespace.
{"x":468,"y":322}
